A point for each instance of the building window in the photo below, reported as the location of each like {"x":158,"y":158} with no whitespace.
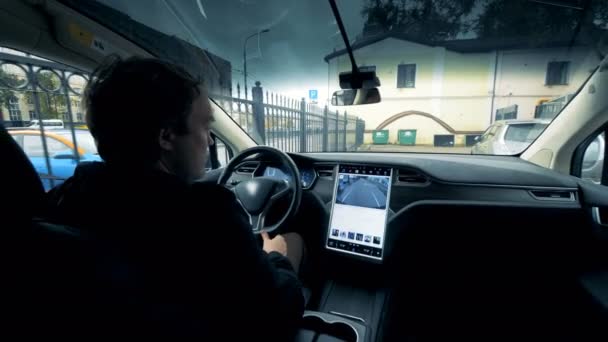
{"x":33,"y":115}
{"x":406,"y":76}
{"x":79,"y":117}
{"x":506,"y":113}
{"x":65,"y":116}
{"x":557,"y":73}
{"x":13,"y":109}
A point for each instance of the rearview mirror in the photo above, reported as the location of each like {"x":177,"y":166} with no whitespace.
{"x":355,"y":97}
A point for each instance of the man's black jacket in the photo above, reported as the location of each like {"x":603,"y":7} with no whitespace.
{"x":184,"y":261}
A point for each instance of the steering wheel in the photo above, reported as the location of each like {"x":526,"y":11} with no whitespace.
{"x":258,"y":194}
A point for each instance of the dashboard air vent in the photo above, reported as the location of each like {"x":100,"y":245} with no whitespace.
{"x":553,"y":195}
{"x":325,"y":171}
{"x":247,"y":167}
{"x":406,"y":176}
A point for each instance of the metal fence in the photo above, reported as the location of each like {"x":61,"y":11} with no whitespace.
{"x":36,"y":89}
{"x":293,"y":125}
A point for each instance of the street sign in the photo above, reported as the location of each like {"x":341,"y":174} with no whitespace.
{"x":313,"y":95}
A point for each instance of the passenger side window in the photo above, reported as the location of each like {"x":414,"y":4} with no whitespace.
{"x":19,"y":140}
{"x":43,"y":92}
{"x":592,"y":166}
{"x":32,"y":146}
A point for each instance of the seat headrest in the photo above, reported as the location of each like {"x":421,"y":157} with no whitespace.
{"x":23,"y":193}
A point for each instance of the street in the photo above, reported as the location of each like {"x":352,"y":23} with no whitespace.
{"x":363,"y":193}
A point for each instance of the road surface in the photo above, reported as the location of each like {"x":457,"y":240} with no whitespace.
{"x":363,"y":193}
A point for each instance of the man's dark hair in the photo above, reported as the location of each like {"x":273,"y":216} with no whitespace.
{"x":129,"y":101}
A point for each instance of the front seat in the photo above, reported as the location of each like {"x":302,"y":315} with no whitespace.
{"x":23,"y":194}
{"x":45,"y":267}
{"x":59,"y":281}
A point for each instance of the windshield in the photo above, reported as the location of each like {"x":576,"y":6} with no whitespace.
{"x":448,"y":69}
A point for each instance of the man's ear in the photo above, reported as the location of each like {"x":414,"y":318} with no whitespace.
{"x":166,"y":138}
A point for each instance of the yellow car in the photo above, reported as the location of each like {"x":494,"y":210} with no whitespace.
{"x":60,"y":147}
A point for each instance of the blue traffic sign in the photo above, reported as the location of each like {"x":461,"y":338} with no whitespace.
{"x":313,"y":94}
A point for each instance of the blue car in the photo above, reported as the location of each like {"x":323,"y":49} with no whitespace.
{"x":61,"y":156}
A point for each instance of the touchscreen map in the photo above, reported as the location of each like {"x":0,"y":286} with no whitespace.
{"x":359,"y":210}
{"x":362,"y":191}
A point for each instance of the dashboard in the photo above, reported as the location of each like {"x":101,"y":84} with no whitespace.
{"x":307,"y":174}
{"x":484,"y":187}
{"x":451,"y":229}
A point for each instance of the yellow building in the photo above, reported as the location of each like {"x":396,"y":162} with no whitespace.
{"x":19,"y":108}
{"x":454,"y":88}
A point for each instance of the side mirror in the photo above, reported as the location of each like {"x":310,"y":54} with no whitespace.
{"x":592,"y":154}
{"x":355,"y":97}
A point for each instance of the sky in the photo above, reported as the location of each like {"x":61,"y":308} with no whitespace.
{"x":287,"y":60}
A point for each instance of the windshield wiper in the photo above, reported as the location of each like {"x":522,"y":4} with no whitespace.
{"x":356,"y":79}
{"x":349,"y":49}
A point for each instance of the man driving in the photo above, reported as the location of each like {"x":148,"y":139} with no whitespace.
{"x":198,"y":268}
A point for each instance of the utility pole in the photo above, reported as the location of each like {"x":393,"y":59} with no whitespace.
{"x":245,"y":56}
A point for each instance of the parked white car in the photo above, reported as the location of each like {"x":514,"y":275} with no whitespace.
{"x":509,"y":137}
{"x":513,"y":137}
{"x":49,"y":124}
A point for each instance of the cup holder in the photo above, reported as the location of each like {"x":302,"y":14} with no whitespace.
{"x":322,"y":327}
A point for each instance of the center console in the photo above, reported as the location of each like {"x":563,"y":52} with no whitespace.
{"x":359,"y":211}
{"x":344,"y":313}
{"x":326,"y":327}
{"x":352,"y":300}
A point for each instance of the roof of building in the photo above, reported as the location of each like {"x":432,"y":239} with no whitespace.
{"x":465,"y":45}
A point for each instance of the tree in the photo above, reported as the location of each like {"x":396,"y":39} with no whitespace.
{"x":437,"y":20}
{"x":424,"y":19}
{"x":49,"y":101}
{"x":540,"y":21}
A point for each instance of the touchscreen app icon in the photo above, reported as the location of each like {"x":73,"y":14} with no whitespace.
{"x":351,"y":235}
{"x":368,"y":238}
{"x":359,"y":237}
{"x":343,"y":234}
{"x":335,"y":232}
{"x":376,"y":240}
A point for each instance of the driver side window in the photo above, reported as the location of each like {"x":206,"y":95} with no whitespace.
{"x":224,"y":154}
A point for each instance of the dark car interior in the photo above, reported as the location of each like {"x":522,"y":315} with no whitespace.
{"x":473,"y":248}
{"x":482,"y":247}
{"x":494,"y":248}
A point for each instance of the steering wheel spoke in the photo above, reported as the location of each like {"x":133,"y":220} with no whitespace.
{"x":257,"y":222}
{"x":280,"y":193}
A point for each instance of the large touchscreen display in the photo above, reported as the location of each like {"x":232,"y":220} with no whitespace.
{"x":359,"y":210}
